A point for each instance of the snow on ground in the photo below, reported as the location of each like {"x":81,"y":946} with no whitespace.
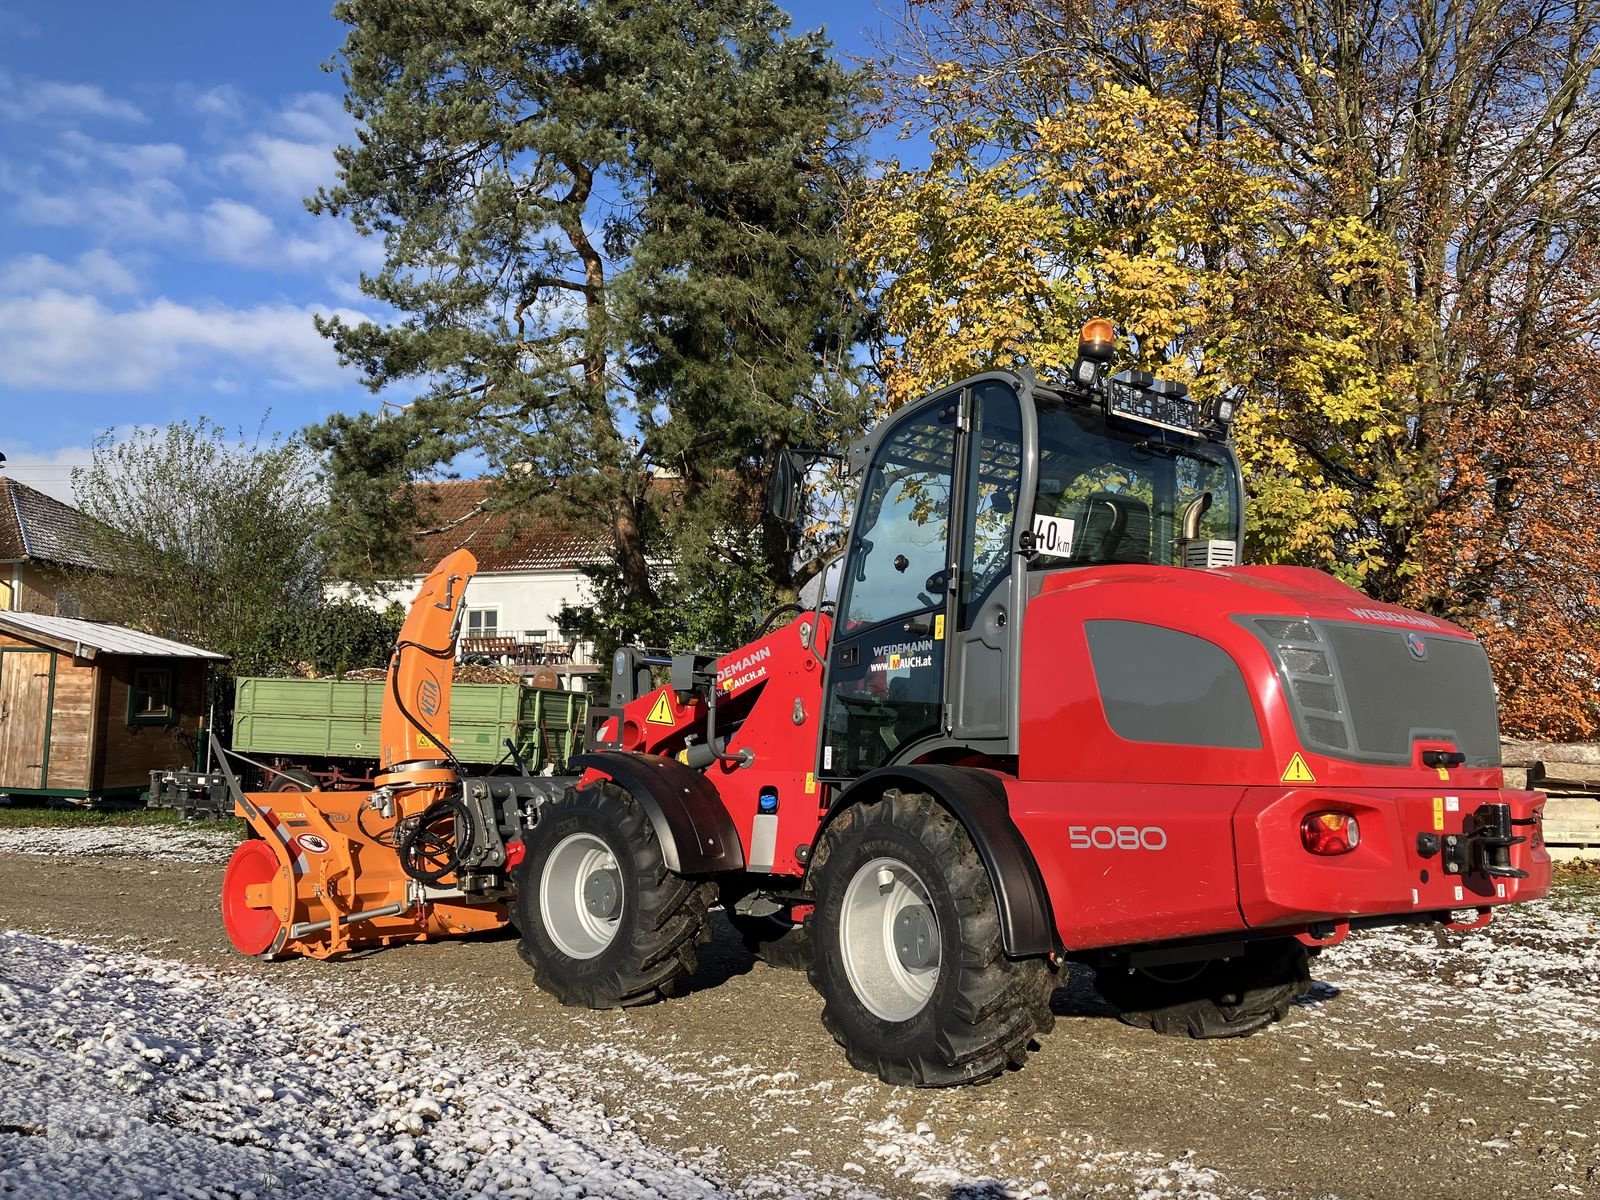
{"x":1517,"y":999}
{"x":124,"y":1075}
{"x":130,"y":1076}
{"x":1533,"y":973}
{"x":171,"y":843}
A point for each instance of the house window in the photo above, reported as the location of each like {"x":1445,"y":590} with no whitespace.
{"x":539,"y":635}
{"x":150,"y":697}
{"x":483,"y":622}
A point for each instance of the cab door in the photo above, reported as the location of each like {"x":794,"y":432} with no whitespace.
{"x":983,"y":629}
{"x":886,"y":669}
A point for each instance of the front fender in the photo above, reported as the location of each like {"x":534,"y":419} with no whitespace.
{"x":978,"y":800}
{"x":696,"y":834}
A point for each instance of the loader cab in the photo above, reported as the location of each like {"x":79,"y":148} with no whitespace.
{"x":968,"y":498}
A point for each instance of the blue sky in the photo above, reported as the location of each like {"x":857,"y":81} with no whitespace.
{"x":156,"y":262}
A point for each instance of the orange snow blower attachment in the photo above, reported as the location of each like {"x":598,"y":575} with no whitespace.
{"x":330,"y":871}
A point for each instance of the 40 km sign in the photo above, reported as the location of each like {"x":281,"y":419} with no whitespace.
{"x":1053,"y":536}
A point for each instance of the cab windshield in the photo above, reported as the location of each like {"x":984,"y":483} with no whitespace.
{"x":1118,"y":494}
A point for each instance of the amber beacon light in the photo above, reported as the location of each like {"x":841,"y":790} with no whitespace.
{"x":1096,"y":344}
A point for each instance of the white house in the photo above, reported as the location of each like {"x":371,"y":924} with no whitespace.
{"x":529,"y":568}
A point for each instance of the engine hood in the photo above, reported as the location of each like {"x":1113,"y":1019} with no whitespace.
{"x":1263,"y":591}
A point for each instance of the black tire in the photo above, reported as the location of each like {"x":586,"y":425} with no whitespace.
{"x":1216,"y":999}
{"x":984,"y":1010}
{"x":775,"y":941}
{"x":292,"y":779}
{"x":661,"y":916}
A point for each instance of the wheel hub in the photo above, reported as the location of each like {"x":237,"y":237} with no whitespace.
{"x":889,"y":939}
{"x":581,"y":896}
{"x":602,"y":894}
{"x":916,"y":938}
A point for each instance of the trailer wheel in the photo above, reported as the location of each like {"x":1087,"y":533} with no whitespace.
{"x":292,"y":779}
{"x":907,"y":950}
{"x":1215,"y":999}
{"x":603,"y":923}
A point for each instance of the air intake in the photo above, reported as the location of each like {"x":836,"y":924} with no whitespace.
{"x":1210,"y":552}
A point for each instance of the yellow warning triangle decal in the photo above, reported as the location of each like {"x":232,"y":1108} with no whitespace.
{"x":661,"y":711}
{"x":1295,"y":772}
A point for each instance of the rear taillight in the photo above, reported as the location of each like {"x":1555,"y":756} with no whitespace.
{"x":1330,"y":833}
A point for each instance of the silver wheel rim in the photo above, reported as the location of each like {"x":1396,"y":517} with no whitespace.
{"x":580,"y":895}
{"x":889,"y":939}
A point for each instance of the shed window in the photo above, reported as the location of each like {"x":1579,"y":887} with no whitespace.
{"x":150,"y":697}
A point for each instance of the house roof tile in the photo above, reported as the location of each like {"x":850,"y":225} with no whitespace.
{"x":39,"y":528}
{"x":502,"y":541}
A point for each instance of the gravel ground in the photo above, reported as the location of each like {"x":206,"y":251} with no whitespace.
{"x":1422,"y":1064}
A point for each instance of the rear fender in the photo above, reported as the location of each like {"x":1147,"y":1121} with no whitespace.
{"x":978,"y":800}
{"x":696,"y":834}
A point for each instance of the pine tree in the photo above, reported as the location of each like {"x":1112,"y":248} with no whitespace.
{"x":611,"y":235}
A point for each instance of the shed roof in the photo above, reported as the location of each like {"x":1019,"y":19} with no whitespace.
{"x":40,"y":528}
{"x":501,"y":541}
{"x":87,"y":639}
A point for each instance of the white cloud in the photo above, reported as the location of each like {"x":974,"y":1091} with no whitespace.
{"x":144,"y":160}
{"x":91,"y":271}
{"x":56,"y":341}
{"x":146,"y":208}
{"x":244,"y":235}
{"x":119,"y":190}
{"x":295,"y":158}
{"x":315,"y":117}
{"x":280,"y":167}
{"x":48,"y":471}
{"x":223,"y":101}
{"x":24,"y":99}
{"x":236,"y":232}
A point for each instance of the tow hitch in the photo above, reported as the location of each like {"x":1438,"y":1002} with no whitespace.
{"x":1483,"y":846}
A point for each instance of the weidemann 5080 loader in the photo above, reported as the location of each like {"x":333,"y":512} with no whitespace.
{"x":1049,"y":720}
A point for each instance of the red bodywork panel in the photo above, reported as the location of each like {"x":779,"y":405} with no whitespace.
{"x":1231,"y":853}
{"x":759,"y":687}
{"x":1140,"y":842}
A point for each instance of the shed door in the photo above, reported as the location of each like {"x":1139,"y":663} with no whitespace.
{"x":24,"y":717}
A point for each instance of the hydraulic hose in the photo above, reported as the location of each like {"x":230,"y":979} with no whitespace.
{"x":427,"y":855}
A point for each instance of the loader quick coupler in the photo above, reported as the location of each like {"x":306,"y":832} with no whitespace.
{"x":1483,"y":847}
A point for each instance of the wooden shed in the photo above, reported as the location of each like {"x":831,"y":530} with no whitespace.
{"x":88,"y":710}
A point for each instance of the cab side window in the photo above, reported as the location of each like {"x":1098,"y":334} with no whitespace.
{"x":902,"y":542}
{"x":991,"y":495}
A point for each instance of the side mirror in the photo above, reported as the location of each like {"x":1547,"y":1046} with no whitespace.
{"x":785,"y":485}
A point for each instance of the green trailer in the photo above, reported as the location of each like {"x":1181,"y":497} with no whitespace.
{"x":324,"y":724}
{"x":323,"y":733}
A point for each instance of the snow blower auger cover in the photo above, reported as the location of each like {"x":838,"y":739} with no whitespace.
{"x":326,"y":872}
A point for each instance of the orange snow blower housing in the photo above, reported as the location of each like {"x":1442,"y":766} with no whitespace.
{"x":328,"y":872}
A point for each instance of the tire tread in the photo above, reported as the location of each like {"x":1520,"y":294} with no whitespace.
{"x":999,"y":1006}
{"x":672,"y":915}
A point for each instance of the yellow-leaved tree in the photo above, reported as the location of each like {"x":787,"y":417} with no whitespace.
{"x":1249,"y":192}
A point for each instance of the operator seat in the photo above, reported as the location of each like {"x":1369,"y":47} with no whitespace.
{"x":1112,"y":527}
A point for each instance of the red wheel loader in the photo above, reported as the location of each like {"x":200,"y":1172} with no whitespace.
{"x":1048,"y":720}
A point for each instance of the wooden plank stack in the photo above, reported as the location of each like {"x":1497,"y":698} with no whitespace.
{"x":1569,"y":773}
